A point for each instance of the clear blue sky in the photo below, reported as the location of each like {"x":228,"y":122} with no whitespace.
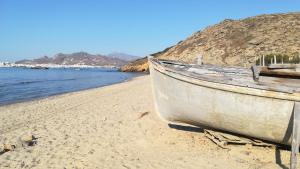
{"x":33,"y":28}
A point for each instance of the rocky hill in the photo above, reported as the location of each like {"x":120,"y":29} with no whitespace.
{"x":235,"y":42}
{"x":79,"y":58}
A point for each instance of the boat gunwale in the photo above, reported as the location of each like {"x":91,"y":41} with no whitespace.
{"x":223,"y":86}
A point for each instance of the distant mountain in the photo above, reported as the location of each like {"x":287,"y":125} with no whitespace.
{"x":79,"y":58}
{"x":123,"y":56}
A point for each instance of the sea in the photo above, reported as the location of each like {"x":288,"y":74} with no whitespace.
{"x":24,"y":84}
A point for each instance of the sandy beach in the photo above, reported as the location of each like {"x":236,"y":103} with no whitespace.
{"x":115,"y":127}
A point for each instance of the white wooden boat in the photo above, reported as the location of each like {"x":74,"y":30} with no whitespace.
{"x":226,"y":98}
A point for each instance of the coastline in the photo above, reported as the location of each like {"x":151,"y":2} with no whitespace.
{"x":63,"y":93}
{"x":115,"y":126}
{"x":54,"y":66}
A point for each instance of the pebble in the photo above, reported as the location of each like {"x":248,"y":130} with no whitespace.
{"x":29,"y":140}
{"x":6,"y":147}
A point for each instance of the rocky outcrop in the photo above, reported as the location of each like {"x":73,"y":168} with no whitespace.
{"x":139,"y":65}
{"x":238,"y":42}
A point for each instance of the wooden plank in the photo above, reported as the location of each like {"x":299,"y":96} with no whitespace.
{"x":224,"y":139}
{"x":284,"y":66}
{"x":220,"y":143}
{"x":265,"y":83}
{"x":235,"y":76}
{"x":260,"y":63}
{"x":256,"y":72}
{"x":280,"y":72}
{"x":295,"y":136}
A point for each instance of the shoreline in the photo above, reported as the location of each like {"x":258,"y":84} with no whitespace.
{"x":63,"y":93}
{"x":55,"y":66}
{"x":115,"y":126}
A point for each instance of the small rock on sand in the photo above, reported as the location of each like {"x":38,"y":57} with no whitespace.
{"x":29,"y":140}
{"x":6,"y":147}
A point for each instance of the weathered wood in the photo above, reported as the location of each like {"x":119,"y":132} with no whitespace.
{"x":260,"y":61}
{"x":218,"y":100}
{"x":224,"y":139}
{"x":271,"y":60}
{"x":199,"y":57}
{"x":235,"y":76}
{"x":295,"y":136}
{"x":220,"y":143}
{"x":256,"y":72}
{"x":283,"y":66}
{"x":280,"y":72}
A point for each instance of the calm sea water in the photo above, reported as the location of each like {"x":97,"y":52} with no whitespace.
{"x":20,"y":84}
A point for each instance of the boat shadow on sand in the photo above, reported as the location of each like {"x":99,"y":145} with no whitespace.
{"x":277,"y":147}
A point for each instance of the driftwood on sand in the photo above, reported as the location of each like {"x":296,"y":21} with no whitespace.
{"x":223,"y":139}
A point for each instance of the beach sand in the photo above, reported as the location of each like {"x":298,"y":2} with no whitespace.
{"x":115,"y":127}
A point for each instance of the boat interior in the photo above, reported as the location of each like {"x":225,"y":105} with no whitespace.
{"x":280,"y":78}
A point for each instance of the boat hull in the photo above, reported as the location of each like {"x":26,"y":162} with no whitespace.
{"x":179,"y":100}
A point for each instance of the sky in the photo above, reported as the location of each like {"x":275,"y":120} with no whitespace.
{"x":35,"y":28}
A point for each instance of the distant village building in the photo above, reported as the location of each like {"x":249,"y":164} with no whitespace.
{"x":5,"y":64}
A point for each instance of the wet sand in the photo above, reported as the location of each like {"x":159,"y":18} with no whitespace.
{"x":115,"y":127}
